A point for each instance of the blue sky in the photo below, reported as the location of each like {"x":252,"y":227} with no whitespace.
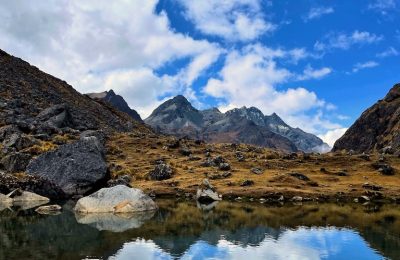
{"x":318,"y":64}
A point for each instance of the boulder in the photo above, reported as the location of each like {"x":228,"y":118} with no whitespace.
{"x":117,"y":199}
{"x":162,"y":171}
{"x":49,"y":210}
{"x":257,"y":170}
{"x":206,"y":193}
{"x":224,"y":166}
{"x":76,"y":168}
{"x":299,"y":176}
{"x":297,"y":199}
{"x":121,"y":180}
{"x":6,"y":131}
{"x":26,"y":196}
{"x":15,"y":162}
{"x":19,"y":141}
{"x":56,"y":116}
{"x":185,"y":151}
{"x":246,"y":183}
{"x":4,"y":199}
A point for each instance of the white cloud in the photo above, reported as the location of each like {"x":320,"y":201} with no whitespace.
{"x":250,"y":78}
{"x":388,"y":53}
{"x":345,"y":41}
{"x":332,"y":136}
{"x":92,"y":44}
{"x":233,"y":20}
{"x":310,"y":73}
{"x":366,"y":65}
{"x":317,"y":12}
{"x":382,"y":6}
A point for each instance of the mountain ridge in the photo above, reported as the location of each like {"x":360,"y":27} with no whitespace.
{"x":178,"y":117}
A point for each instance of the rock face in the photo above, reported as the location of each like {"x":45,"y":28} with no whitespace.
{"x":118,"y":199}
{"x":244,"y":125}
{"x":378,"y":127}
{"x":116,"y":101}
{"x":75,"y":168}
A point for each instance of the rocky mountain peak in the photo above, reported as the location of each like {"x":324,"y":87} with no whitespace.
{"x":117,"y":102}
{"x":378,"y":127}
{"x":246,"y":124}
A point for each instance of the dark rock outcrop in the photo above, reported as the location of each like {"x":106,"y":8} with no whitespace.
{"x":15,"y":162}
{"x":161,"y":171}
{"x":9,"y":183}
{"x":378,"y":127}
{"x":75,"y":168}
{"x":244,"y":125}
{"x":116,"y":101}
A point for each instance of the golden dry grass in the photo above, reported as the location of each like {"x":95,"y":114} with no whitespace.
{"x":134,"y":154}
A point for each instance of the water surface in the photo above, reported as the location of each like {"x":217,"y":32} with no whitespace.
{"x":227,"y":230}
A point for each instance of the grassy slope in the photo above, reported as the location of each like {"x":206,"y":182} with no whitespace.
{"x":134,"y":154}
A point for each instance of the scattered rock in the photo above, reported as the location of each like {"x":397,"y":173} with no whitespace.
{"x":185,"y":151}
{"x":369,"y":186}
{"x":246,"y":183}
{"x":240,"y":157}
{"x":257,"y":170}
{"x":299,"y":176}
{"x":218,"y":160}
{"x":49,"y":210}
{"x":387,"y":150}
{"x":363,"y":199}
{"x":297,"y":199}
{"x":24,"y":196}
{"x":76,"y":168}
{"x":383,"y":168}
{"x":19,"y":141}
{"x":117,"y":199}
{"x":206,"y":193}
{"x":15,"y":162}
{"x":218,"y":176}
{"x":173,"y":144}
{"x":365,"y":157}
{"x":224,"y":166}
{"x":162,"y":171}
{"x":194,"y":158}
{"x":121,"y":180}
{"x":342,"y":173}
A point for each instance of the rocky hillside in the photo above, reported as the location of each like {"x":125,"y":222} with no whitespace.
{"x":242,"y":125}
{"x":377,"y":128}
{"x":116,"y":101}
{"x":51,"y":136}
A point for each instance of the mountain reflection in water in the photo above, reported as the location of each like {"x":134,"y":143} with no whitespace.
{"x":230,"y":230}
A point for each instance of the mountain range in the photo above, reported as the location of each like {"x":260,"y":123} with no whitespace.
{"x":240,"y":125}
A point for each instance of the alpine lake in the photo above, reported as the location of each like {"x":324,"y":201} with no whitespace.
{"x":222,"y":230}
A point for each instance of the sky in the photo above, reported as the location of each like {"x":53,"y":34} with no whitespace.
{"x":317,"y":64}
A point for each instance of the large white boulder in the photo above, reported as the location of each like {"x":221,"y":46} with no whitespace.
{"x":117,"y":199}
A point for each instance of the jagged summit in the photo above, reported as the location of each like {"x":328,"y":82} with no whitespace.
{"x":246,"y":124}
